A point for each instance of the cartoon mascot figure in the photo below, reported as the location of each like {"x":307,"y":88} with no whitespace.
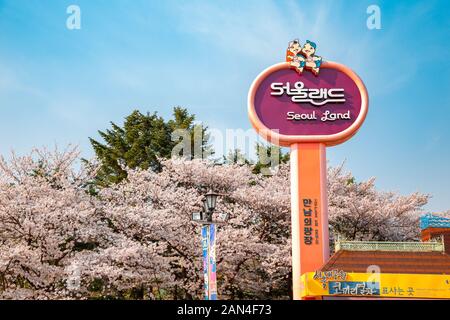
{"x":303,"y":57}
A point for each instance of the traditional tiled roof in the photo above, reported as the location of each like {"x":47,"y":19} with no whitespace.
{"x":429,"y":246}
{"x":430,"y":256}
{"x":431,"y":262}
{"x":390,"y":257}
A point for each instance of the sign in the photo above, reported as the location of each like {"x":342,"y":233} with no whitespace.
{"x":287,"y":108}
{"x":354,"y":288}
{"x":307,"y":104}
{"x":212,"y":263}
{"x":209,"y":261}
{"x":205,"y":255}
{"x":389,"y":285}
{"x":326,"y":276}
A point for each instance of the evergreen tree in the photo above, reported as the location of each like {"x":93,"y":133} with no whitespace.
{"x":267,"y":152}
{"x":236,"y":157}
{"x":143,"y":139}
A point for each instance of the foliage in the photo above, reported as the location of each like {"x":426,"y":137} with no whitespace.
{"x":268,"y":158}
{"x":141,"y":142}
{"x":267,"y":152}
{"x":236,"y":157}
{"x":135,"y":240}
{"x":360,"y":212}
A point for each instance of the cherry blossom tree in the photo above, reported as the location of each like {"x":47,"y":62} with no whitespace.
{"x":61,"y":237}
{"x":45,"y":217}
{"x":360,"y":212}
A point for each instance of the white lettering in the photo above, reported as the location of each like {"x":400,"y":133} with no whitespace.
{"x":187,"y":310}
{"x":300,"y":94}
{"x":277,"y":86}
{"x":330,"y":116}
{"x":301,"y":116}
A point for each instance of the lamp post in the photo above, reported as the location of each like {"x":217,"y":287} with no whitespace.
{"x":205,"y":218}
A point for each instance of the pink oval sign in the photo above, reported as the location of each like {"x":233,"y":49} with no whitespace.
{"x":286,"y":108}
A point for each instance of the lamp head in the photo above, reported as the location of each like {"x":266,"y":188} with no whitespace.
{"x":211,"y":200}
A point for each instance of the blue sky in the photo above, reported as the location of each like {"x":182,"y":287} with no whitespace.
{"x":61,"y":86}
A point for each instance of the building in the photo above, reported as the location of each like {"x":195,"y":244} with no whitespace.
{"x":394,"y":270}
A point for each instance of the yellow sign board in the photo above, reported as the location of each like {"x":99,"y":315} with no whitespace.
{"x":372,"y":285}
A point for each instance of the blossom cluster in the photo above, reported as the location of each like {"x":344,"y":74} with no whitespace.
{"x":63,"y":238}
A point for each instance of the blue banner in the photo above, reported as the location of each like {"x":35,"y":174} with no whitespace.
{"x":212,"y":263}
{"x":205,"y":248}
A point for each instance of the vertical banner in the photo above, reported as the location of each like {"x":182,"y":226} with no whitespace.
{"x":205,"y":248}
{"x":212,"y":263}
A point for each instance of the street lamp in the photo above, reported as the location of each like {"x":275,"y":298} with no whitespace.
{"x":206,"y":214}
{"x":211,"y":199}
{"x":205,"y":218}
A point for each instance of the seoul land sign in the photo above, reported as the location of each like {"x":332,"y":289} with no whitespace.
{"x":307,"y":105}
{"x":290,"y":108}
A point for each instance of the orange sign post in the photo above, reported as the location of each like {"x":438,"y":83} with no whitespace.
{"x":309,"y":215}
{"x":307,"y":111}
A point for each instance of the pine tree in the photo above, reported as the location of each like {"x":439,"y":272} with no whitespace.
{"x":141,"y":142}
{"x":266,"y":153}
{"x":236,"y":156}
